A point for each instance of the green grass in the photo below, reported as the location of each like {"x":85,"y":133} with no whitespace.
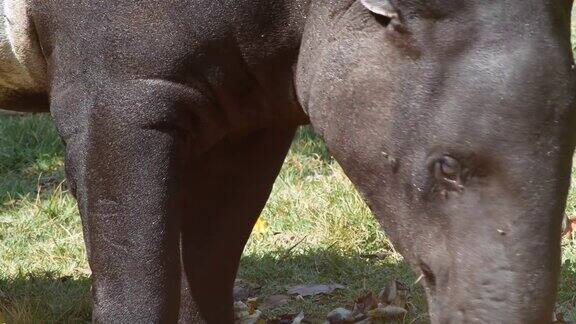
{"x":317,"y":230}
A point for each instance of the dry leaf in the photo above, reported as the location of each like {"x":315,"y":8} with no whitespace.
{"x":364,"y":321}
{"x":243,"y":314}
{"x":240,"y":310}
{"x":387,"y":313}
{"x":568,"y":226}
{"x":389,"y":293}
{"x":252,"y":304}
{"x":365,"y":303}
{"x":340,"y":316}
{"x":276,"y":301}
{"x":313,"y":290}
{"x":260,"y":226}
{"x":283,"y":319}
{"x":244,"y":290}
{"x":559,"y":318}
{"x":299,"y":318}
{"x":395,"y":294}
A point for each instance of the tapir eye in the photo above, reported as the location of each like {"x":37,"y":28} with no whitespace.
{"x":447,"y":167}
{"x":449,"y":176}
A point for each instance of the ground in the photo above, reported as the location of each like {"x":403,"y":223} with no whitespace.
{"x":315,"y":229}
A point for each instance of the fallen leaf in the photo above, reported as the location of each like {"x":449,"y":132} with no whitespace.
{"x":299,"y":318}
{"x":313,"y":290}
{"x":365,"y":303}
{"x":252,"y":304}
{"x":389,"y":293}
{"x":244,"y":290}
{"x":240,"y":309}
{"x":283,"y":319}
{"x":260,"y":226}
{"x":243,"y":314}
{"x":568,"y":226}
{"x":275,"y":301}
{"x":395,"y":294}
{"x":340,"y":316}
{"x":365,"y":321}
{"x":387,"y":313}
{"x":559,"y":318}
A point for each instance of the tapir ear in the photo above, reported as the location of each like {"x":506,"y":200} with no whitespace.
{"x":381,"y":7}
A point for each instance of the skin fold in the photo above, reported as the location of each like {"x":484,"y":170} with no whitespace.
{"x":453,"y":118}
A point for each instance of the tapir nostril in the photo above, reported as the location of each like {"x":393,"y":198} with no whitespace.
{"x":428,"y":275}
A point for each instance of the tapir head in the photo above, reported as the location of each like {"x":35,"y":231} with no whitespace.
{"x":455,"y":119}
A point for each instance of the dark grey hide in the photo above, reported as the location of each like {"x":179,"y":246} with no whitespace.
{"x":454,"y":119}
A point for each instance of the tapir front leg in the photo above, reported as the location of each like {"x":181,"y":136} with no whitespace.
{"x":228,"y":188}
{"x":125,"y":144}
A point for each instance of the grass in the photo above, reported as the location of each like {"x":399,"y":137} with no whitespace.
{"x":317,"y":230}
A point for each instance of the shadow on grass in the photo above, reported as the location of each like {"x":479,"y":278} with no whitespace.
{"x":567,"y":292}
{"x":45,"y":298}
{"x":48,"y":298}
{"x":358,"y":273}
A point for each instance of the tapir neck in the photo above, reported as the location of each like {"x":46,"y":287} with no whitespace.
{"x":268,"y":35}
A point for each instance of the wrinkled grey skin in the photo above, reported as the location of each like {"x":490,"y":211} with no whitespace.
{"x":487,"y":83}
{"x":453,"y":118}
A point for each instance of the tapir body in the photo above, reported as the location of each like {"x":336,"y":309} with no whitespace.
{"x":453,"y":118}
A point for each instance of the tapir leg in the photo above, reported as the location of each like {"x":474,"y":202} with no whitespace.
{"x":188,"y":310}
{"x":126,"y":144}
{"x":230,"y":186}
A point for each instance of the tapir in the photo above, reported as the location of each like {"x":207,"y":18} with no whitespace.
{"x":454,"y":119}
